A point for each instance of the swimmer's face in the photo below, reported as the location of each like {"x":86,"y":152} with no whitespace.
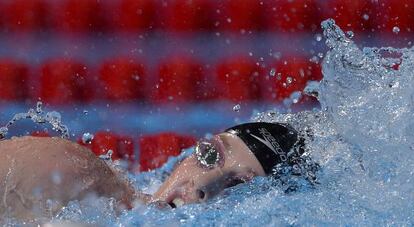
{"x":216,"y":164}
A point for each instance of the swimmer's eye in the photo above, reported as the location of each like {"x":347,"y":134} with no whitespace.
{"x":208,"y":155}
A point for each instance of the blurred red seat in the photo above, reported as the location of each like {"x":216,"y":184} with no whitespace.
{"x":126,"y":148}
{"x":156,"y":149}
{"x":2,"y":12}
{"x":79,"y":16}
{"x":132,"y":15}
{"x":356,"y":15}
{"x":122,"y":147}
{"x":398,"y":14}
{"x":123,"y":79}
{"x":287,"y":76}
{"x":13,"y":80}
{"x":64,"y":81}
{"x":292,"y":16}
{"x":238,"y":79}
{"x":40,"y":134}
{"x":22,"y":15}
{"x":179,"y":81}
{"x":187,"y":16}
{"x":240,"y":15}
{"x":103,"y":142}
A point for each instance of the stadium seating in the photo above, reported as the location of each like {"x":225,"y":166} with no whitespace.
{"x":151,"y":54}
{"x":13,"y":80}
{"x":64,"y":81}
{"x":123,"y":79}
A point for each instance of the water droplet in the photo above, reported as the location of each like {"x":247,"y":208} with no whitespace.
{"x":87,"y":138}
{"x":85,"y":112}
{"x":396,"y":30}
{"x":289,"y":80}
{"x":295,"y":96}
{"x":365,"y":16}
{"x":320,"y":55}
{"x":3,"y":132}
{"x":271,"y":114}
{"x":53,"y":116}
{"x":312,"y":88}
{"x":56,"y":177}
{"x":318,"y":37}
{"x":350,"y":34}
{"x":236,"y":108}
{"x":107,"y":156}
{"x":272,"y":72}
{"x":39,"y":107}
{"x":314,"y":59}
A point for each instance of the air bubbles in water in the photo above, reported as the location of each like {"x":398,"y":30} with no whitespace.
{"x":87,"y":138}
{"x":236,"y":108}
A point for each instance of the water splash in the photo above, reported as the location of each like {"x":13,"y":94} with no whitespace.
{"x":87,"y":138}
{"x":361,"y":138}
{"x":38,"y":116}
{"x":236,"y":108}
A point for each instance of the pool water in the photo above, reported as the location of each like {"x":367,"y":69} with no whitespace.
{"x":362,"y":137}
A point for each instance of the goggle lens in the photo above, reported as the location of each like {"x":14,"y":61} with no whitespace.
{"x":207,"y":154}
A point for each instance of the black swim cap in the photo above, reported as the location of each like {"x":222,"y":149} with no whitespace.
{"x":271,"y":143}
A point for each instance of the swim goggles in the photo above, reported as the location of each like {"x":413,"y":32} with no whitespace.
{"x":208,"y":154}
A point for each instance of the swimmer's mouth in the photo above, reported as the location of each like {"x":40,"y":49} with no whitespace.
{"x":177,"y":202}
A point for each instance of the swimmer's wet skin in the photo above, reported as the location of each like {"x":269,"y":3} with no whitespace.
{"x":38,"y":176}
{"x":232,"y":157}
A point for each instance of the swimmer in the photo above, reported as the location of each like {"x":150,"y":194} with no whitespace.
{"x":38,"y":176}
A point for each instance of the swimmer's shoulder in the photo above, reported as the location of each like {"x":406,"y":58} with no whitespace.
{"x":40,"y":145}
{"x":46,"y":153}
